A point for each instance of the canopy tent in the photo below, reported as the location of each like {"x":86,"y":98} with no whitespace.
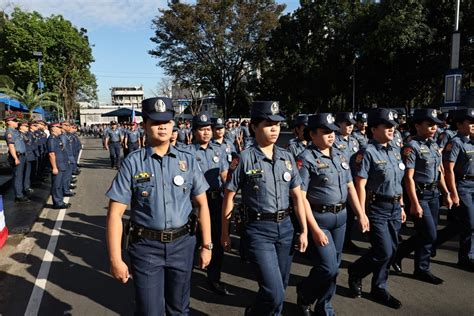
{"x":122,"y":112}
{"x":15,"y":105}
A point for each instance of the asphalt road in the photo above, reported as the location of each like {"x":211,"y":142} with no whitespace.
{"x":78,"y":283}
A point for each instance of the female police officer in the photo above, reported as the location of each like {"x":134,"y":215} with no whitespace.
{"x":327,"y":185}
{"x":267,"y":176}
{"x":158,"y":180}
{"x":423,"y":176}
{"x":379,"y":172}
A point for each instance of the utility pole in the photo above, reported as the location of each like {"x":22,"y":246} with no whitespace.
{"x":40,"y":56}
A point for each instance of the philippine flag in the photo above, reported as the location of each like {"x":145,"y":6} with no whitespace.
{"x":3,"y":227}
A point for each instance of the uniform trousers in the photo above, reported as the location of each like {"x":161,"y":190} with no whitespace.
{"x":68,"y":177}
{"x":215,"y":266}
{"x":18,"y":174}
{"x":114,"y":150}
{"x":57,"y":192}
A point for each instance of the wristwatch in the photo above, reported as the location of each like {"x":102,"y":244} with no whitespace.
{"x":209,"y":246}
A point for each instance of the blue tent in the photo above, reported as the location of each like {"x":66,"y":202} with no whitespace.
{"x":15,"y":105}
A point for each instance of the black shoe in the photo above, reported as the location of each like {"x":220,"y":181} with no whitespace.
{"x":302,"y":305}
{"x":355,"y":286}
{"x":70,"y":194}
{"x":384,"y":298}
{"x":73,"y":180}
{"x":433,"y":252}
{"x":61,"y":206}
{"x":219,"y":288}
{"x":427,"y":276}
{"x":29,"y":191}
{"x":397,"y":266}
{"x":466,"y":265}
{"x":248,"y":311}
{"x":72,"y":186}
{"x":22,"y":199}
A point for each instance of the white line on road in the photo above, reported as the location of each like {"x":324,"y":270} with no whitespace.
{"x":42,"y":278}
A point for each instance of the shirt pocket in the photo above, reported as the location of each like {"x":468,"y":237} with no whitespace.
{"x":144,"y":190}
{"x":380,"y":171}
{"x":323,"y":176}
{"x":182,"y":184}
{"x":257,"y":183}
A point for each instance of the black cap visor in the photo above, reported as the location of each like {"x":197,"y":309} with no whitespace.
{"x":159,"y":116}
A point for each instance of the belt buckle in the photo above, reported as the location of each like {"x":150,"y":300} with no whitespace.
{"x":334,"y":208}
{"x":166,"y":237}
{"x":280,"y":216}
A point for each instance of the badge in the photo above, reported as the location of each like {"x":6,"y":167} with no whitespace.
{"x":355,"y":149}
{"x":345,"y":165}
{"x":390,"y":116}
{"x":183,"y":165}
{"x":287,"y":176}
{"x":401,"y":165}
{"x":330,"y":119}
{"x":407,"y":151}
{"x":229,"y":158}
{"x":288,"y":165}
{"x":434,"y":113}
{"x":145,"y":194}
{"x":203,"y":118}
{"x":215,"y":159}
{"x":178,"y":180}
{"x":299,"y":164}
{"x":256,"y":188}
{"x":274,"y":108}
{"x":227,"y":149}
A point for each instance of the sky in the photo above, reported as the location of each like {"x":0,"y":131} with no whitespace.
{"x":119,"y":32}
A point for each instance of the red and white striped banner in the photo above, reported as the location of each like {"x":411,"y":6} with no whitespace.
{"x":3,"y":226}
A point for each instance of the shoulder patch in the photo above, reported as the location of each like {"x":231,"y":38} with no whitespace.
{"x":407,"y":151}
{"x":448,"y":147}
{"x":234,"y":163}
{"x":299,"y":163}
{"x":442,"y":136}
{"x":359,"y":157}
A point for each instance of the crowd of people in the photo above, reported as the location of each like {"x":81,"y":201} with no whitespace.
{"x":306,"y":196}
{"x":36,"y":150}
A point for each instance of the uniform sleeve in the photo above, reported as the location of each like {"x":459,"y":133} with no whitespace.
{"x":348,"y":175}
{"x":409,"y":157}
{"x":9,"y":138}
{"x":442,"y":140}
{"x":51,"y":145}
{"x":295,"y":175}
{"x":236,"y":176}
{"x":362,"y":163}
{"x":224,"y":164}
{"x":451,"y":151}
{"x":200,"y":184}
{"x":121,"y":187}
{"x":304,"y":171}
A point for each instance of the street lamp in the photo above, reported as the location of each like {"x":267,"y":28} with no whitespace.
{"x":453,"y":78}
{"x":40,"y":56}
{"x":356,"y":56}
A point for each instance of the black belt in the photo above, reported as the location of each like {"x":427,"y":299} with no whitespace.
{"x":427,"y":186}
{"x":20,"y":154}
{"x":213,"y":194}
{"x":132,"y":143}
{"x":264,"y":216}
{"x":160,"y":235}
{"x":114,"y":142}
{"x":385,"y":198}
{"x":467,"y":177}
{"x":328,"y":208}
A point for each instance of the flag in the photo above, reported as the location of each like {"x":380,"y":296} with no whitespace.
{"x":3,"y":226}
{"x":134,"y":119}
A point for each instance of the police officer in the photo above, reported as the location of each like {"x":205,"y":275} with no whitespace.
{"x":379,"y":172}
{"x":397,"y":140}
{"x":247,"y":139}
{"x":16,"y":157}
{"x":30,"y":156}
{"x":158,"y":181}
{"x":267,"y":175}
{"x":218,"y":130}
{"x":132,"y":139}
{"x":459,"y":167}
{"x":214,"y":165}
{"x":423,"y":176}
{"x":449,"y":131}
{"x":344,"y":141}
{"x":326,"y":185}
{"x":67,"y":139}
{"x":59,"y":164}
{"x":299,"y":144}
{"x":360,"y":132}
{"x":113,"y":139}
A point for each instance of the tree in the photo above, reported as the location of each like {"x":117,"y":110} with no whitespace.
{"x":214,"y":45}
{"x":66,"y":55}
{"x":31,"y":97}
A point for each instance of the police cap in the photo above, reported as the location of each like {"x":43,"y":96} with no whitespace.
{"x":322,"y":120}
{"x":361,"y":117}
{"x":268,"y":110}
{"x":201,"y":119}
{"x":217,"y":122}
{"x":345,"y":117}
{"x":381,"y":116}
{"x":10,"y":118}
{"x":301,"y":119}
{"x":158,"y":109}
{"x":463,"y":114}
{"x":420,"y":115}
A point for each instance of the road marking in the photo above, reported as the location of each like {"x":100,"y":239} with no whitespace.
{"x":79,"y":156}
{"x":42,"y":278}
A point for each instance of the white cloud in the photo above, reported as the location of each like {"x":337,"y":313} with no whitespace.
{"x":94,"y":13}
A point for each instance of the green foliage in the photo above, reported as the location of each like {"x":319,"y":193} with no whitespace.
{"x":213,"y":46}
{"x":66,"y":55}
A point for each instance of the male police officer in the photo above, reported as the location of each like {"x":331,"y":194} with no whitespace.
{"x":132,"y":139}
{"x":158,"y":181}
{"x":218,"y":130}
{"x":344,"y":141}
{"x":16,"y":157}
{"x":360,"y":132}
{"x":113,"y":139}
{"x":298,"y":144}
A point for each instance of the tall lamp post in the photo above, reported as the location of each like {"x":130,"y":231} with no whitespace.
{"x":40,"y":56}
{"x":354,"y":61}
{"x":453,"y":78}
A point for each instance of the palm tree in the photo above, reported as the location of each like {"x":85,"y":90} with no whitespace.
{"x":31,"y":97}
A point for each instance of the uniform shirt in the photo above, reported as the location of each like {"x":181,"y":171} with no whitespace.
{"x":324,"y":178}
{"x":228,"y":149}
{"x":397,"y":140}
{"x":133,"y":136}
{"x":113,"y":135}
{"x":67,"y":139}
{"x":361,"y":138}
{"x":245,"y":131}
{"x":423,"y":156}
{"x":292,"y":141}
{"x":445,"y":137}
{"x":56,"y":145}
{"x":212,"y":163}
{"x":265,"y":182}
{"x":460,"y":150}
{"x":296,"y":148}
{"x":382,"y":167}
{"x":13,"y":136}
{"x":29,"y":145}
{"x":182,"y":135}
{"x":348,"y":145}
{"x":159,"y":189}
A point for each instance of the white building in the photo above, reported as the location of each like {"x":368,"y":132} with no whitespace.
{"x":127,"y":96}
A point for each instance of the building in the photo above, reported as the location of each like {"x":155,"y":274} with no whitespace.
{"x":127,"y":96}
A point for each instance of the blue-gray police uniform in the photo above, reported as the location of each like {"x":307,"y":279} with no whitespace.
{"x":445,"y":137}
{"x":228,"y":149}
{"x":325,"y":179}
{"x":133,"y":137}
{"x":13,"y":136}
{"x":182,"y":132}
{"x":397,"y":140}
{"x":67,"y":140}
{"x":348,"y":145}
{"x":114,"y":137}
{"x":57,"y":146}
{"x":76,"y":146}
{"x":423,"y":156}
{"x":248,"y":139}
{"x":296,"y":147}
{"x":360,"y":137}
{"x":460,"y":150}
{"x":213,"y":163}
{"x":265,"y":185}
{"x":383,"y":169}
{"x":159,"y":190}
{"x":30,"y":159}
